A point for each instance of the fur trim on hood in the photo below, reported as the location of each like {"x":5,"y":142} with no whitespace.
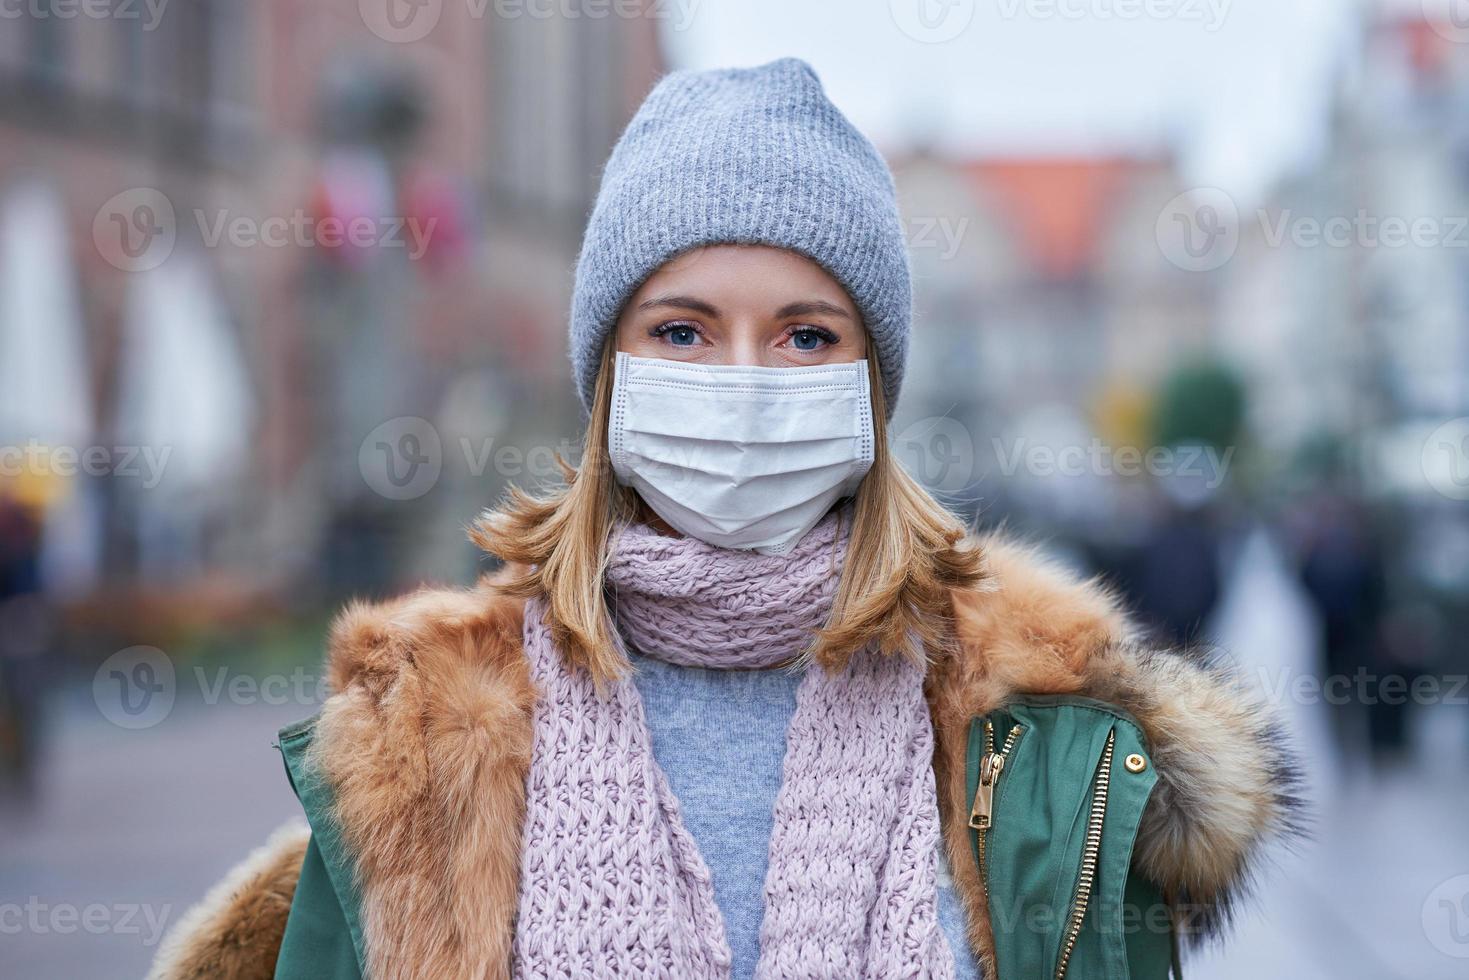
{"x":1228,"y":784}
{"x":234,"y":933}
{"x":426,"y":744}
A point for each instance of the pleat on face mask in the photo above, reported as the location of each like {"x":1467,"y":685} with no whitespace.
{"x":740,"y":457}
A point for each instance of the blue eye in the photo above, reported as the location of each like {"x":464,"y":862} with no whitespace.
{"x":676,"y":333}
{"x":811,"y":338}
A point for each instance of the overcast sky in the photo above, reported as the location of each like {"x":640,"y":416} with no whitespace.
{"x":1238,"y":87}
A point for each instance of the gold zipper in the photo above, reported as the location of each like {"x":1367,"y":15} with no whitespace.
{"x":1089,"y":855}
{"x":991,"y":764}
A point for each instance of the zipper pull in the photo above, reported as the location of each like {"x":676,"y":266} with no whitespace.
{"x":991,"y":764}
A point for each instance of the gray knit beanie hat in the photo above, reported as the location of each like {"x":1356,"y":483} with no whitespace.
{"x":744,"y":156}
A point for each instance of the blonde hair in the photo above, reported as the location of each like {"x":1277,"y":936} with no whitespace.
{"x":906,"y":552}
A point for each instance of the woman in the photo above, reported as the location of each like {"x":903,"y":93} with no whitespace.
{"x":709,"y":720}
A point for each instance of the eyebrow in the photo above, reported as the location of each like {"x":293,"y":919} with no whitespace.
{"x":799,"y":308}
{"x":805,"y":307}
{"x":680,"y":302}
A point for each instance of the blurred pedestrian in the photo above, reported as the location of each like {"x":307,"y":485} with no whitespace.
{"x":1342,"y":570}
{"x":1175,"y":580}
{"x":24,"y":629}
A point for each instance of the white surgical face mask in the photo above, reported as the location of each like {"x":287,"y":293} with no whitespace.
{"x":740,"y":457}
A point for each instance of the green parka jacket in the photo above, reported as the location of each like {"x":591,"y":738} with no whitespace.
{"x":412,"y":779}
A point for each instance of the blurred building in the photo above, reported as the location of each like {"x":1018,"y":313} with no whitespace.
{"x":470,"y":150}
{"x":1346,"y":307}
{"x":1049,"y":315}
{"x":1348,"y":296}
{"x":1032,"y":266}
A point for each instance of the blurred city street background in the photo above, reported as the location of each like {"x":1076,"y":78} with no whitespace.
{"x":283,"y":288}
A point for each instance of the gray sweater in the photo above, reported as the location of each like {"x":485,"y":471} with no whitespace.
{"x":719,"y":737}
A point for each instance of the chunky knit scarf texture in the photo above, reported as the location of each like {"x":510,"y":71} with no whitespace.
{"x":612,"y":884}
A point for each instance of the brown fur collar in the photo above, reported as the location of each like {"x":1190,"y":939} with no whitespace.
{"x":427,"y":741}
{"x":426,"y":747}
{"x":234,"y":933}
{"x":1227,"y":786}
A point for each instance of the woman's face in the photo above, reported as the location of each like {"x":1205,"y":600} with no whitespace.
{"x":742,"y":304}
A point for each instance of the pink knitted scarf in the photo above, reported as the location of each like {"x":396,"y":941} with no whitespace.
{"x":611,"y":882}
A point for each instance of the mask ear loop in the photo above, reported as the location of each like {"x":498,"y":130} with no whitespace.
{"x":617,"y":421}
{"x":867,"y":421}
